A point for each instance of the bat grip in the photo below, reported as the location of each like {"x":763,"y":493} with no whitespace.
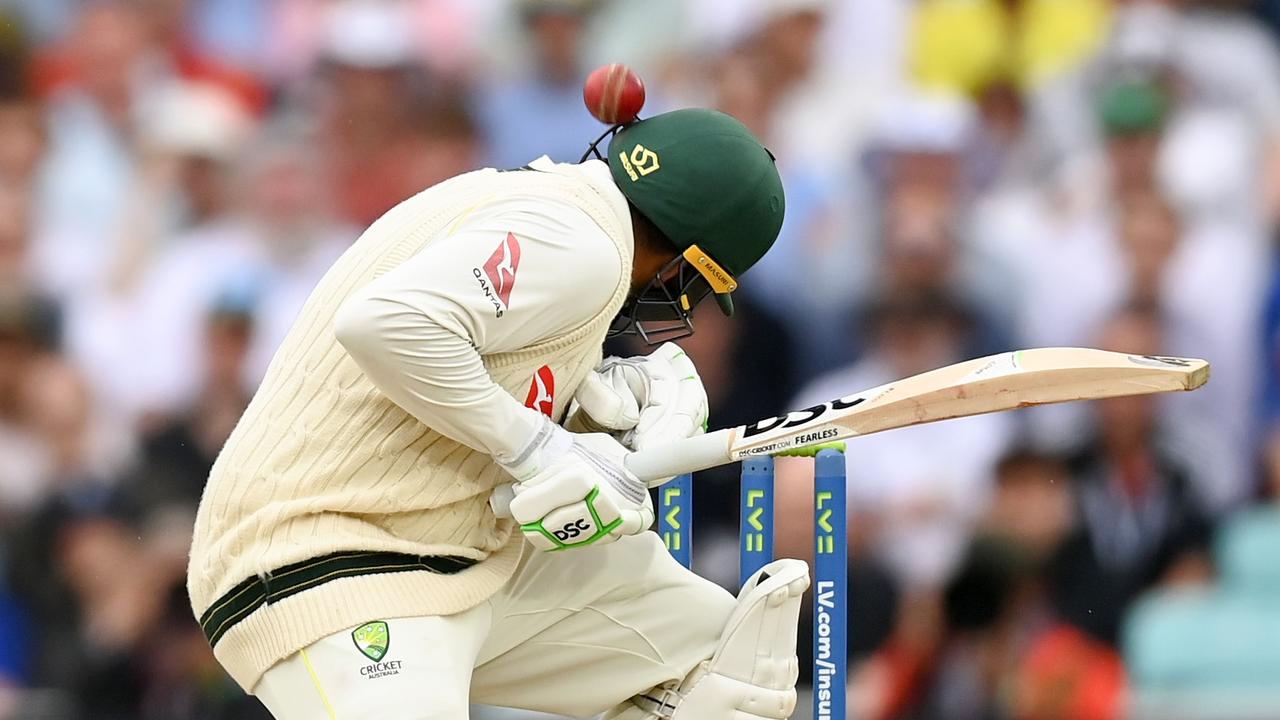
{"x":651,"y":465}
{"x":684,"y":456}
{"x":500,"y":500}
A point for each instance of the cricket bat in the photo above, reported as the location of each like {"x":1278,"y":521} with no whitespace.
{"x":990,"y":384}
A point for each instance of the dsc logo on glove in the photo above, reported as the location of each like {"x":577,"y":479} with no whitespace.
{"x":573,"y":529}
{"x":576,"y":525}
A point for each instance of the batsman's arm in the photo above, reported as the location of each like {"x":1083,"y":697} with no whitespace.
{"x":419,"y":330}
{"x":430,"y":370}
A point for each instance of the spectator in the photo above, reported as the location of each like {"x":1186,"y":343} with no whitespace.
{"x":15,"y":243}
{"x":1203,"y":646}
{"x":75,"y":474}
{"x":961,"y":46}
{"x":18,"y":478}
{"x":1031,"y":508}
{"x":538,"y":109}
{"x":920,"y":167}
{"x":446,"y":141}
{"x":98,"y":86}
{"x":1012,"y":212}
{"x":22,"y":133}
{"x":370,"y":87}
{"x":1078,"y":272}
{"x":920,"y":254}
{"x":813,"y":124}
{"x":176,"y":457}
{"x":191,"y":140}
{"x":442,"y":35}
{"x":187,"y":149}
{"x":998,"y":650}
{"x":81,"y":453}
{"x":266,"y":256}
{"x":817,"y":268}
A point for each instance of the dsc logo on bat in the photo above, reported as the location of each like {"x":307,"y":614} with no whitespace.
{"x":803,"y":417}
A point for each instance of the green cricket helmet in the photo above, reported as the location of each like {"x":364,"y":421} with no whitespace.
{"x":713,"y":189}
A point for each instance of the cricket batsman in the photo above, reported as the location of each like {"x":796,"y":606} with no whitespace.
{"x":346,"y":562}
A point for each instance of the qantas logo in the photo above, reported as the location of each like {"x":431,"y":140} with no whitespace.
{"x":542,"y":391}
{"x":499,"y":274}
{"x":501,"y":268}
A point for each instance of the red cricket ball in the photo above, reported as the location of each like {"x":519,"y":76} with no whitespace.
{"x":614,"y":94}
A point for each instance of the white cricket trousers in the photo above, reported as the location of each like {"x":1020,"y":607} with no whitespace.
{"x":572,"y":632}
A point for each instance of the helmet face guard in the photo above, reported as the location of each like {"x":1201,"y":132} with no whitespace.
{"x":593,"y":150}
{"x":662,"y":311}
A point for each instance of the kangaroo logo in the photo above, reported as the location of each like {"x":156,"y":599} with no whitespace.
{"x":501,"y":268}
{"x":542,"y":391}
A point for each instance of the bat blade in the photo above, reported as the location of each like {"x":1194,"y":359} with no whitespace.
{"x":974,"y":387}
{"x":999,"y":382}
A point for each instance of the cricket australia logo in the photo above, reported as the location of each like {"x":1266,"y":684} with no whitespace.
{"x":498,"y":276}
{"x":542,"y":391}
{"x":373,"y":640}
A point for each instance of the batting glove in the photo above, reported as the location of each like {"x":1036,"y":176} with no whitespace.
{"x":573,"y":490}
{"x":648,"y":401}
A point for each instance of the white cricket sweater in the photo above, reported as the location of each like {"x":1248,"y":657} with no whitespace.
{"x":473,"y":304}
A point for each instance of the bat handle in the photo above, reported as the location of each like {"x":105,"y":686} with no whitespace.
{"x":500,"y":500}
{"x":683,"y":456}
{"x":651,"y":465}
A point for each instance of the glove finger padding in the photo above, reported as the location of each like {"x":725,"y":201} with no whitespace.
{"x":683,"y":416}
{"x":652,"y":400}
{"x":677,"y":407}
{"x":607,"y":398}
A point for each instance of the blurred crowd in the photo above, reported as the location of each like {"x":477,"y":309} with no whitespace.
{"x":963,"y":177}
